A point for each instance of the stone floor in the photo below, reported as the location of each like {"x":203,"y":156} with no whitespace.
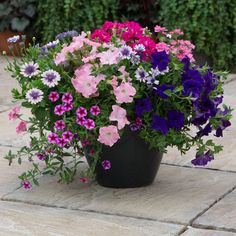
{"x":183,"y":200}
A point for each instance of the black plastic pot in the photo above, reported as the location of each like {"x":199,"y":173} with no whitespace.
{"x":133,"y":164}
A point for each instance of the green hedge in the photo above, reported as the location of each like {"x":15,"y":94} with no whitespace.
{"x":62,"y":15}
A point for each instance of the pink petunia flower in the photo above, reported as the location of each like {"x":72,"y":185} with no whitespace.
{"x":68,"y":136}
{"x":67,"y":98}
{"x":108,"y":135}
{"x":26,"y":184}
{"x":61,"y":142}
{"x":84,"y":82}
{"x":60,"y":125}
{"x":106,"y":165}
{"x":162,"y":47}
{"x":53,"y":96}
{"x":159,"y":29}
{"x":81,"y":112}
{"x":89,"y":124}
{"x":124,"y":93}
{"x":95,"y":110}
{"x":14,"y":113}
{"x":83,"y":180}
{"x":21,"y":127}
{"x":59,"y":110}
{"x":68,"y":106}
{"x":52,"y":138}
{"x":80,"y":121}
{"x":119,"y":114}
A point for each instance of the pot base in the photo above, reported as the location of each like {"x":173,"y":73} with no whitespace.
{"x":133,"y":164}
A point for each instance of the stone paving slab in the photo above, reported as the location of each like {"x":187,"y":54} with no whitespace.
{"x":221,"y":215}
{"x":177,"y":195}
{"x":16,"y":219}
{"x":203,"y":232}
{"x":9,"y":174}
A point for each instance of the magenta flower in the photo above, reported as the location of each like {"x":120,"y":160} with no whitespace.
{"x":67,"y":136}
{"x":106,"y":165}
{"x":60,"y":125}
{"x":80,"y":121}
{"x":83,"y":180}
{"x":40,"y":156}
{"x":85,"y":143}
{"x":52,"y":138}
{"x":21,"y":127}
{"x":81,"y":112}
{"x":89,"y":124}
{"x":26,"y":184}
{"x":53,"y":96}
{"x":68,"y":106}
{"x":61,"y":142}
{"x":95,"y":110}
{"x":14,"y":113}
{"x":59,"y":110}
{"x":67,"y":98}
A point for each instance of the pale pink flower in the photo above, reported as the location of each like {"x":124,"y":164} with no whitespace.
{"x":124,"y":93}
{"x":85,"y":83}
{"x":109,"y":57}
{"x":108,"y":135}
{"x":21,"y":127}
{"x":14,"y":113}
{"x":159,"y":29}
{"x":162,"y":47}
{"x":119,"y":114}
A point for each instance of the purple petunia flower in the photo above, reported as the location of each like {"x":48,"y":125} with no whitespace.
{"x":175,"y":119}
{"x":159,"y":124}
{"x":160,"y":90}
{"x":192,"y":87}
{"x":59,"y":110}
{"x":34,"y":95}
{"x":89,"y":124}
{"x":53,"y":96}
{"x":106,"y":165}
{"x":68,"y":136}
{"x":29,"y":69}
{"x":143,"y":105}
{"x":205,"y":131}
{"x":81,"y":112}
{"x":40,"y":156}
{"x":13,"y":39}
{"x":51,"y":78}
{"x":68,"y":106}
{"x":160,"y":60}
{"x":80,"y":120}
{"x":203,"y":159}
{"x":52,"y":138}
{"x":61,"y":142}
{"x":60,"y":125}
{"x":141,"y":74}
{"x":67,"y":98}
{"x":26,"y":184}
{"x":66,"y":34}
{"x":95,"y":110}
{"x":223,"y":126}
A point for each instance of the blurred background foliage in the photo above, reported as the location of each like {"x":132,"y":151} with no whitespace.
{"x":210,"y":24}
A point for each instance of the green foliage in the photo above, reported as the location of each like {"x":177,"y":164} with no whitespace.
{"x":211,"y":25}
{"x":72,"y":15}
{"x":16,"y":14}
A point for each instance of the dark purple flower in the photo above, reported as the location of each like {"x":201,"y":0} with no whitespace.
{"x":203,"y":159}
{"x":186,"y":62}
{"x":192,"y":74}
{"x":175,"y":119}
{"x":160,"y":60}
{"x":106,"y":165}
{"x":205,"y":131}
{"x":143,"y":105}
{"x":223,"y":126}
{"x":40,"y":156}
{"x":159,"y":124}
{"x":160,"y":90}
{"x":192,"y":87}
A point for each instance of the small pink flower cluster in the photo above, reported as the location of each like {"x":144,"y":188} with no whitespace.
{"x":81,"y":114}
{"x":66,"y":137}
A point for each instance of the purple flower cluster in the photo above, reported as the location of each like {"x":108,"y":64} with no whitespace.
{"x":67,"y":34}
{"x":160,"y":60}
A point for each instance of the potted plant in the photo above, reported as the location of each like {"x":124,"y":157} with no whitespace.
{"x":15,"y":18}
{"x":119,"y":96}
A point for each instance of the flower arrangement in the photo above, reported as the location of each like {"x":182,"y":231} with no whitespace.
{"x":85,"y":89}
